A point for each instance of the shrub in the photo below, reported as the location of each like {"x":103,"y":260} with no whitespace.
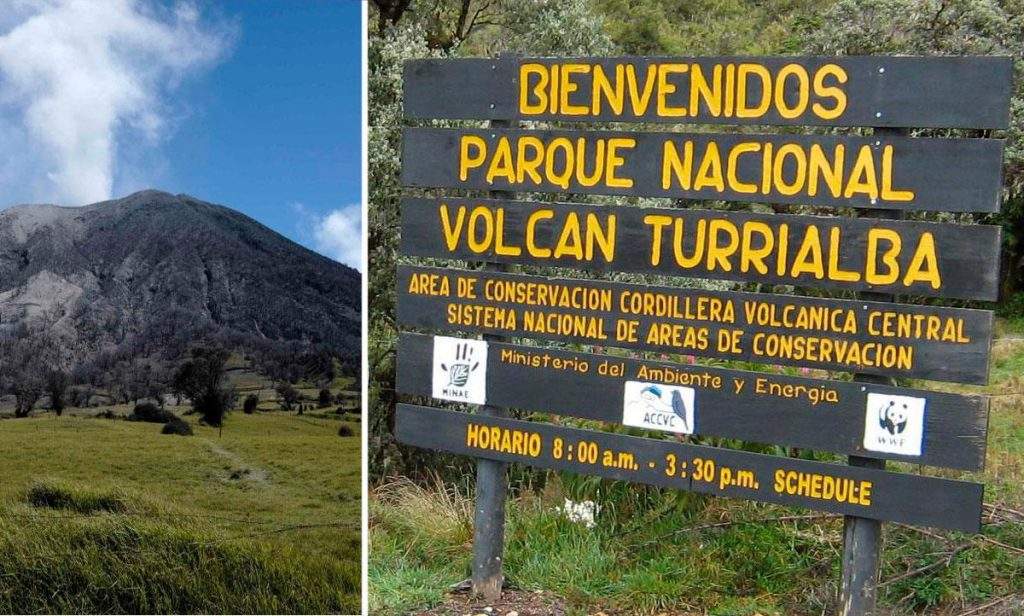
{"x":250,"y":404}
{"x":79,"y":396}
{"x":149,"y":412}
{"x":346,"y":430}
{"x":324,"y":399}
{"x":177,"y":426}
{"x":60,"y":496}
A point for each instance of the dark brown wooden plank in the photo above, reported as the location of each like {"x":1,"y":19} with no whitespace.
{"x":954,"y":175}
{"x":951,"y":92}
{"x":934,"y":259}
{"x":759,"y":407}
{"x":870,"y":493}
{"x":700,"y":322}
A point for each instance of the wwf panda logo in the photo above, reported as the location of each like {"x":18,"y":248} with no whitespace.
{"x":893,"y":417}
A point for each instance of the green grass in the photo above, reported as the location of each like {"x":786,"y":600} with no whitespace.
{"x":103,"y":516}
{"x":674,"y":552}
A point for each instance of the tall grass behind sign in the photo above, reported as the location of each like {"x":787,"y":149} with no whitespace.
{"x":882,"y":173}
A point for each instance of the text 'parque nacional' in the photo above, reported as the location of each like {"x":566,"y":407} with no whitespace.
{"x":847,"y":171}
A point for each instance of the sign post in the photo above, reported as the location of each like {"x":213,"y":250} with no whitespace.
{"x":862,"y":538}
{"x":876,"y":255}
{"x":491,"y":485}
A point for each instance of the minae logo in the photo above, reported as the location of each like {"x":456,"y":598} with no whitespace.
{"x":460,"y":370}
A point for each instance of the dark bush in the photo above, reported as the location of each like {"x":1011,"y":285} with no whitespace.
{"x":346,"y":430}
{"x":250,"y":404}
{"x":177,"y":426}
{"x":56,"y":496}
{"x":80,"y":396}
{"x":149,"y":412}
{"x":324,"y":399}
{"x":214,"y":404}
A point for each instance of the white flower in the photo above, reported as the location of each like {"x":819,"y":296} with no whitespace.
{"x":580,"y":513}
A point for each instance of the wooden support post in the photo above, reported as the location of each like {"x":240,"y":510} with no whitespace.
{"x":491,"y":484}
{"x":862,"y":538}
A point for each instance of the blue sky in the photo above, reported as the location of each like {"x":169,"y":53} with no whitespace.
{"x":254,"y":104}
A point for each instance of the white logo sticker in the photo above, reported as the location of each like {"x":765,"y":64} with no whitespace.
{"x":658,"y":407}
{"x":460,"y":370}
{"x":894,"y":424}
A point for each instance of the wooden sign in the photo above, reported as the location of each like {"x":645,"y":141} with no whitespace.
{"x":927,"y":92}
{"x":918,"y":258}
{"x":863,"y":492}
{"x":887,"y":172}
{"x":929,"y":342}
{"x":900,"y":173}
{"x":909,"y":425}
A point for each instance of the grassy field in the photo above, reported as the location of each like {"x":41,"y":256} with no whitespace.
{"x":655,"y":552}
{"x":106,"y":515}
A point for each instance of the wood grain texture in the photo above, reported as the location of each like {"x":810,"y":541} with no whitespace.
{"x":895,"y":497}
{"x":679,"y":331}
{"x":768,"y":408}
{"x":967,"y":256}
{"x":927,"y":92}
{"x":948,"y":175}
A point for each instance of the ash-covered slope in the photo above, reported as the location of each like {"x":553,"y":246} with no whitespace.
{"x":154,"y":271}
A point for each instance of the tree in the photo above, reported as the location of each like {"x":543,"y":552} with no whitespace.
{"x":955,"y":28}
{"x":27,"y":356}
{"x":709,"y":27}
{"x":27,"y":389}
{"x":390,"y":11}
{"x":201,"y":379}
{"x":324,"y":399}
{"x":287,"y":394}
{"x":56,"y":388}
{"x":251,"y":402}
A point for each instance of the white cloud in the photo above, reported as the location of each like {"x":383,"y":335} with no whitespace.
{"x":338,"y":234}
{"x":79,"y":76}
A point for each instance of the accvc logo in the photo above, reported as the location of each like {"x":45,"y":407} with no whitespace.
{"x":657,"y":406}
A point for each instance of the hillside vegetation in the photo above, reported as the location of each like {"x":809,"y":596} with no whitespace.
{"x":103,"y":515}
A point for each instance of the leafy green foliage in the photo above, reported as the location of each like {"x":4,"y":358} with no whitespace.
{"x":709,"y":27}
{"x":947,"y":27}
{"x":201,"y":378}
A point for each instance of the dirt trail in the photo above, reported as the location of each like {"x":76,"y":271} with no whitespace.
{"x":239,"y":470}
